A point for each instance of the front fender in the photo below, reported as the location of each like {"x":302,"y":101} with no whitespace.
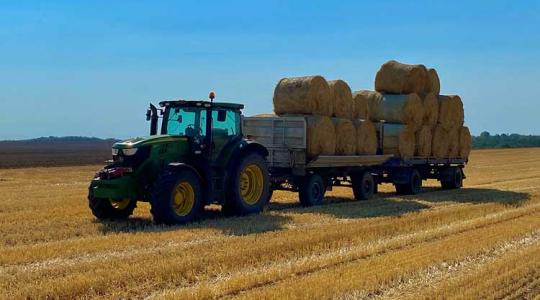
{"x":177,"y":166}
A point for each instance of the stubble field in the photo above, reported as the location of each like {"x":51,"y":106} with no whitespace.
{"x":479,"y":242}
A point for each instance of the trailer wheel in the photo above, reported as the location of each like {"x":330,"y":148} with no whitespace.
{"x":453,"y":179}
{"x":363,"y":186}
{"x":413,"y":185}
{"x":311,"y":190}
{"x":248,"y":188}
{"x":110,"y":208}
{"x":176,"y":197}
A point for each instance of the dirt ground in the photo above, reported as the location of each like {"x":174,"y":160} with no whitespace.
{"x":482,"y":241}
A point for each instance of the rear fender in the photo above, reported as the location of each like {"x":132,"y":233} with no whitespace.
{"x":244,"y":148}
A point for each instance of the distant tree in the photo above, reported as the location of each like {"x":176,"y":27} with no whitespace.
{"x":485,"y":140}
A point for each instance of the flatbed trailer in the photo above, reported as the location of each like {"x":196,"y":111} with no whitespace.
{"x":285,"y":138}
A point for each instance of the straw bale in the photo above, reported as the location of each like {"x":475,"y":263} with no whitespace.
{"x":342,"y":99}
{"x":303,"y":95}
{"x":397,"y":78}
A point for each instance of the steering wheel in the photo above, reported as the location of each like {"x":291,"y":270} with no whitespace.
{"x":191,"y":131}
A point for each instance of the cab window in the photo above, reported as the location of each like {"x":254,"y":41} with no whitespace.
{"x":186,"y":121}
{"x":227,"y":126}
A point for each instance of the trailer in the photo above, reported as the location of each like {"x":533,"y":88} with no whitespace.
{"x":285,"y":138}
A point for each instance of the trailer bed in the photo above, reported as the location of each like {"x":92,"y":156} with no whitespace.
{"x":286,"y":141}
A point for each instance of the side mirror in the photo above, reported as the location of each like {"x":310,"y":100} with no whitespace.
{"x":221,"y":115}
{"x":148,"y":114}
{"x":179,"y":119}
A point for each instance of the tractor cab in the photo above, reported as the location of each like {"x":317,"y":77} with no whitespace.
{"x":208,"y":126}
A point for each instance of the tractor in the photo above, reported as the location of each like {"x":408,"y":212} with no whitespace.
{"x":199,"y":157}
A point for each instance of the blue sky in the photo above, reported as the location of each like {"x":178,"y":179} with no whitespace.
{"x":91,"y":67}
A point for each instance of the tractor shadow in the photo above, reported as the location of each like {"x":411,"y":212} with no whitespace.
{"x":211,"y":218}
{"x":279,"y":214}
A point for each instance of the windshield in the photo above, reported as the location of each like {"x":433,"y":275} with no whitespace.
{"x":185,"y":121}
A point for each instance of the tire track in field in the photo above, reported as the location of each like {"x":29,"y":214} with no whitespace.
{"x":504,"y":180}
{"x":317,"y":262}
{"x":445,"y":271}
{"x":326,"y":283}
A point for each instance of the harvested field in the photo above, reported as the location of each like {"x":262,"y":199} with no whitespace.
{"x":479,"y":242}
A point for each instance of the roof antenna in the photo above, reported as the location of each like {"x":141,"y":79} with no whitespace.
{"x":212,"y":95}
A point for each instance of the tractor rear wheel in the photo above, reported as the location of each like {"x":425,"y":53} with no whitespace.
{"x":248,"y":186}
{"x":176,"y":197}
{"x":112,"y":209}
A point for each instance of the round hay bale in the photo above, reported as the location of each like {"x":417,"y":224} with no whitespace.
{"x":321,"y":136}
{"x":360,"y":103}
{"x":451,"y":114}
{"x":345,"y":136}
{"x":373,"y":98}
{"x":403,"y":109}
{"x":366,"y":137}
{"x":397,"y":78}
{"x":398,"y":139}
{"x":433,"y":85}
{"x":431,"y":109}
{"x":465,"y":142}
{"x":342,"y":99}
{"x":453,"y":142}
{"x":423,"y":141}
{"x":440,"y":142}
{"x":303,"y":95}
{"x":458,"y":104}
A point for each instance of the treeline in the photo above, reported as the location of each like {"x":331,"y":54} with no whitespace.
{"x":62,"y":139}
{"x":486,"y":140}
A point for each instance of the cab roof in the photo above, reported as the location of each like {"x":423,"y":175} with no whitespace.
{"x":200,"y":103}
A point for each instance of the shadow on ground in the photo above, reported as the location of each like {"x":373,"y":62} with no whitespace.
{"x":473,"y":196}
{"x":210,"y":219}
{"x":279,"y":214}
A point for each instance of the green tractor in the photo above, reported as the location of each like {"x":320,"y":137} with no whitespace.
{"x":199,"y":157}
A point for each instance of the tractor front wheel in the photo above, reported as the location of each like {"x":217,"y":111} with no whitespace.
{"x":176,"y":197}
{"x":110,"y":208}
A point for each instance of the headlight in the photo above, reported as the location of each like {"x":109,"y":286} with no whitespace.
{"x":129,"y":151}
{"x":114,"y":152}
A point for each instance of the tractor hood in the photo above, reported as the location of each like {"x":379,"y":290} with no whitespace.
{"x":148,"y":140}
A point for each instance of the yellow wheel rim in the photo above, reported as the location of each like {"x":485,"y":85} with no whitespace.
{"x":183,"y":198}
{"x":120,"y":204}
{"x":251,"y":184}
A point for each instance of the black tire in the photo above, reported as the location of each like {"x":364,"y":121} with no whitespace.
{"x":311,"y":190}
{"x":363,"y":186}
{"x":455,"y":179}
{"x":413,"y":186}
{"x":176,"y":197}
{"x":248,"y":186}
{"x":106,"y":209}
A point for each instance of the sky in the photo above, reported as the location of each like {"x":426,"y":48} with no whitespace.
{"x":90,"y":68}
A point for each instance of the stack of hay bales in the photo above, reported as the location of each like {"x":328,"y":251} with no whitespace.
{"x":337,"y":120}
{"x":408,"y":97}
{"x":406,"y":106}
